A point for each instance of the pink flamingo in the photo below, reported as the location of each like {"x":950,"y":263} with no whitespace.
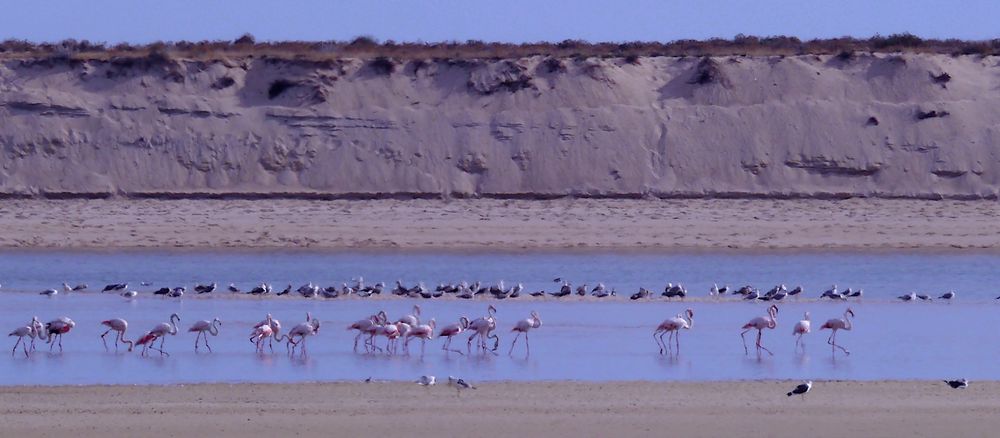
{"x":760,"y":323}
{"x":390,"y":331}
{"x":522,"y":327}
{"x":673,"y":326}
{"x":160,"y":331}
{"x":364,"y":327}
{"x":404,"y":334}
{"x":274,"y":329}
{"x":119,"y":326}
{"x":205,"y":328}
{"x":55,"y":330}
{"x":21,"y":332}
{"x":412,"y":319}
{"x":451,"y":330}
{"x":260,"y":333}
{"x":302,"y":331}
{"x":482,"y":327}
{"x":838,"y":324}
{"x":801,"y":328}
{"x":39,"y":330}
{"x":423,"y":331}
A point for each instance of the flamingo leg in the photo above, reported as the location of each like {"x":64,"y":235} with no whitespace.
{"x":423,"y":346}
{"x":209,"y":347}
{"x":356,"y":341}
{"x":14,"y":350}
{"x":196,"y":338}
{"x":527,"y":345}
{"x":677,"y":341}
{"x":760,"y":346}
{"x":24,"y":346}
{"x":512,"y":344}
{"x":833,"y":342}
{"x":657,"y":340}
{"x":743,"y":336}
{"x":106,"y":342}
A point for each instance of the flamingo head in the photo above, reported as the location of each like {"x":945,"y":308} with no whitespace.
{"x":690,"y":313}
{"x":806,"y":316}
{"x":773,"y":309}
{"x":850,"y":312}
{"x":217,"y":320}
{"x":463,"y":322}
{"x":491,"y":309}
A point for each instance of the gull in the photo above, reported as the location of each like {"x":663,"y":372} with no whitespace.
{"x":426,"y":380}
{"x":643,"y":293}
{"x":908,"y":297}
{"x":76,"y":288}
{"x":924,"y":297}
{"x":796,"y":291}
{"x":233,"y":288}
{"x":958,"y":384}
{"x":459,"y":384}
{"x":130,"y":294}
{"x":801,"y":389}
{"x":540,"y":293}
{"x":857,"y":294}
{"x":948,"y":295}
{"x":49,"y":292}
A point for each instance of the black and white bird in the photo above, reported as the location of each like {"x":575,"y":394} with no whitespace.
{"x":459,"y":384}
{"x":801,"y":389}
{"x":115,"y":287}
{"x":643,"y":293}
{"x":162,"y":291}
{"x":948,"y":295}
{"x":908,"y":297}
{"x":796,"y":291}
{"x":232,"y":288}
{"x":286,"y":291}
{"x":716,"y":290}
{"x":540,"y":293}
{"x":925,"y":297}
{"x":76,"y":288}
{"x":177,"y":292}
{"x":958,"y":384}
{"x":49,"y":292}
{"x":426,"y":381}
{"x":857,"y":294}
{"x":129,"y":294}
{"x":205,"y":288}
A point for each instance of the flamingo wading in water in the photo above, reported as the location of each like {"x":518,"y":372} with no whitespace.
{"x":205,"y":328}
{"x":760,"y":323}
{"x":259,"y":333}
{"x":55,"y":330}
{"x":302,"y":331}
{"x":522,"y":327}
{"x":119,"y":326}
{"x":160,"y":331}
{"x":801,"y":328}
{"x":838,"y":324}
{"x":21,"y":332}
{"x":673,"y":326}
{"x":451,"y":330}
{"x":483,"y":328}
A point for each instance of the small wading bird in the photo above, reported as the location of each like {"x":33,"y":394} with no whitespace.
{"x":760,"y":323}
{"x":838,"y":324}
{"x":205,"y":328}
{"x":119,"y":326}
{"x":802,"y":389}
{"x":958,"y":384}
{"x":673,"y":326}
{"x":802,"y":327}
{"x":160,"y":331}
{"x":522,"y":327}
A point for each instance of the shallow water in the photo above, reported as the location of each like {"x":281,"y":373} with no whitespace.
{"x":580,"y":340}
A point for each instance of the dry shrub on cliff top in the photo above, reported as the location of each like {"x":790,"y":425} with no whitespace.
{"x":369,"y":48}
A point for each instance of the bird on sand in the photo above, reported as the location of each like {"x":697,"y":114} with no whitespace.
{"x":958,"y":384}
{"x":802,"y":389}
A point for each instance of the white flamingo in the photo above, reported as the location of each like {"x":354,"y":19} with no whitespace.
{"x":367,"y":327}
{"x":302,"y":331}
{"x":522,"y":327}
{"x":838,"y":324}
{"x":21,"y":332}
{"x":451,"y":330}
{"x":205,"y":328}
{"x":160,"y":331}
{"x":802,"y":327}
{"x":119,"y":326}
{"x":760,"y":323}
{"x":482,"y":328}
{"x":673,"y":326}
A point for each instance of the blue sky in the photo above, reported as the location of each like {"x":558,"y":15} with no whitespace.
{"x":499,"y":20}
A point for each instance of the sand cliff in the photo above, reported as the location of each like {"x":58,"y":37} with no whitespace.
{"x":891,"y":125}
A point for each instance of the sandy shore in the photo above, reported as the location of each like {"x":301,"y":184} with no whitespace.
{"x":495,"y":224}
{"x":910,"y":408}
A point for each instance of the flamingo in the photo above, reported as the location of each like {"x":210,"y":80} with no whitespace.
{"x":119,"y":326}
{"x":367,"y":327}
{"x":451,"y":330}
{"x":160,"y":331}
{"x":302,"y":331}
{"x":673,"y":326}
{"x":275,"y":332}
{"x":522,"y":327}
{"x":404,"y":330}
{"x":801,"y":328}
{"x":413,"y":319}
{"x":483,"y":327}
{"x":760,"y":323}
{"x":390,"y":331}
{"x":21,"y":332}
{"x":205,"y":328}
{"x":838,"y":324}
{"x":422,"y":331}
{"x":39,"y":329}
{"x":55,"y":330}
{"x":260,"y":333}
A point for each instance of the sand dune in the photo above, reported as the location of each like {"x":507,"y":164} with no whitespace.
{"x":910,"y":408}
{"x":891,"y":125}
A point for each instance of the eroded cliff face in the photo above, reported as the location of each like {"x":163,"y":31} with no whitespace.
{"x":896,"y":125}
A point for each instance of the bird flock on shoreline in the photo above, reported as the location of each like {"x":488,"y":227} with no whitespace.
{"x":499,"y":291}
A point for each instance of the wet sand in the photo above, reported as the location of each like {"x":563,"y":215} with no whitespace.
{"x":899,"y":408}
{"x":497,"y":224}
